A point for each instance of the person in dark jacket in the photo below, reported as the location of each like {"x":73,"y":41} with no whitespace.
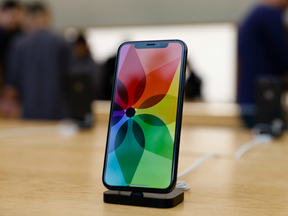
{"x":263,"y":50}
{"x":83,"y":63}
{"x":36,"y":68}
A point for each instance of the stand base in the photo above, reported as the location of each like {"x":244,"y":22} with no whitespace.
{"x":155,"y":200}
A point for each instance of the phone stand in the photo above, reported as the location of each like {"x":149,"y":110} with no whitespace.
{"x":155,"y":200}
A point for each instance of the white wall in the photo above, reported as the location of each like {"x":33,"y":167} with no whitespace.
{"x":81,"y":13}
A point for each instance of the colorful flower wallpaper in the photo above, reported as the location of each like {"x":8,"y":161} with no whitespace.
{"x":142,"y":129}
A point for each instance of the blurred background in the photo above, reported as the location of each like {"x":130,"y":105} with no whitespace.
{"x":84,"y":36}
{"x":57,"y":62}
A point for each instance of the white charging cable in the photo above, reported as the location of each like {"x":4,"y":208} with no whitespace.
{"x":182,"y":184}
{"x":260,"y":139}
{"x":261,"y":135}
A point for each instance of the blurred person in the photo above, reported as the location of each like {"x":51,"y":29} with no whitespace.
{"x":36,"y":68}
{"x":193,"y":86}
{"x":83,"y":84}
{"x":84,"y":64}
{"x":263,"y":50}
{"x":108,"y":77}
{"x":10,"y":16}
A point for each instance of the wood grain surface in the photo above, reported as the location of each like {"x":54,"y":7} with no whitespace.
{"x":52,"y":174}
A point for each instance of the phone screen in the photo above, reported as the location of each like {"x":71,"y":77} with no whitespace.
{"x":143,"y":122}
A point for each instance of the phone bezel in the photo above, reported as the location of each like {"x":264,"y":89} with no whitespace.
{"x":178,"y":118}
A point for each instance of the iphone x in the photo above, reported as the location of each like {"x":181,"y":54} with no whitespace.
{"x":145,"y":118}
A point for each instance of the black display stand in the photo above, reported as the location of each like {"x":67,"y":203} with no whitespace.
{"x":155,"y":200}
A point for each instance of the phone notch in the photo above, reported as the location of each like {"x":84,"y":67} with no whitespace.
{"x":151,"y":45}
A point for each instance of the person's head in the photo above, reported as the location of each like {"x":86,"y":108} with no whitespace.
{"x":80,"y":48}
{"x":25,"y":21}
{"x":38,"y":16}
{"x":283,"y":4}
{"x":10,"y":14}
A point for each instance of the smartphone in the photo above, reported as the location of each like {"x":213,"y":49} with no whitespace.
{"x":145,"y":118}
